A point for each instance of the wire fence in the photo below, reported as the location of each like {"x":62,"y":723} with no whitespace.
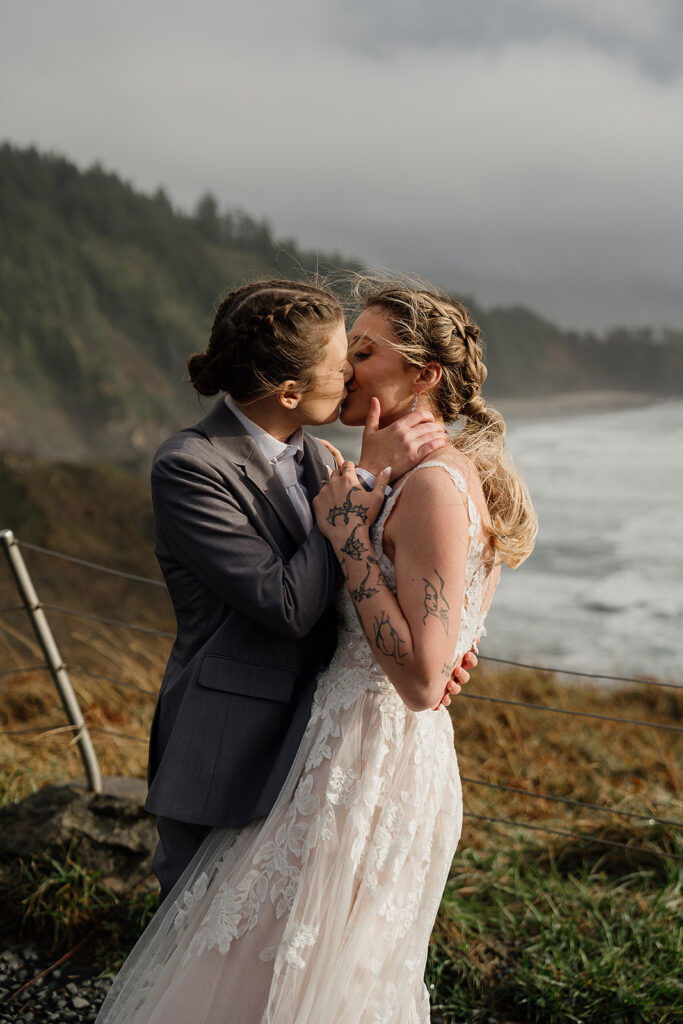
{"x":584,"y":836}
{"x":93,"y":565}
{"x":97,"y":566}
{"x":584,"y":675}
{"x":649,"y":818}
{"x":570,"y":711}
{"x":107,"y":622}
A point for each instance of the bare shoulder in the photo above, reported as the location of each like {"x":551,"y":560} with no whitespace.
{"x":430,"y":503}
{"x":434,"y":483}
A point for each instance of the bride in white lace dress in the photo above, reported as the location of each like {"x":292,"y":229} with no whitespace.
{"x":321,"y":913}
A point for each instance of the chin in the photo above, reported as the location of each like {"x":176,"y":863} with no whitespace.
{"x":352,"y":417}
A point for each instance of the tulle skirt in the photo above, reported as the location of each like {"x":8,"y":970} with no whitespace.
{"x":321,"y":912}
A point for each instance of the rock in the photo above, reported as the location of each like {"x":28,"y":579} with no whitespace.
{"x":107,"y":832}
{"x":48,"y":1000}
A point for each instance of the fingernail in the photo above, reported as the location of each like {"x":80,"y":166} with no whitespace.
{"x":387,"y":470}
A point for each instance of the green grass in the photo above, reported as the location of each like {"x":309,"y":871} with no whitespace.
{"x":59,"y":902}
{"x":518,"y":939}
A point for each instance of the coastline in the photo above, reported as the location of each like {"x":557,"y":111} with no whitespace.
{"x":515,"y":411}
{"x":573,"y":403}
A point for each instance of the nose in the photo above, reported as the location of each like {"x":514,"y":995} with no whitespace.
{"x":348,"y":372}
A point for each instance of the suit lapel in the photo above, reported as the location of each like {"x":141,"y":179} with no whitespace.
{"x":227,"y":434}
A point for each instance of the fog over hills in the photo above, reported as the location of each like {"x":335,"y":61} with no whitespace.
{"x":105,"y":291}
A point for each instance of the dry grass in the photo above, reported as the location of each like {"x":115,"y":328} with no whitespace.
{"x":629,"y":767}
{"x":29,"y":701}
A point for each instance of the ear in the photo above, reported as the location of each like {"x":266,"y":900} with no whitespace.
{"x":428,"y":377}
{"x":289,"y":394}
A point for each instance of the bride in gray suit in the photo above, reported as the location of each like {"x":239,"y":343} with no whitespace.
{"x":320,"y":912}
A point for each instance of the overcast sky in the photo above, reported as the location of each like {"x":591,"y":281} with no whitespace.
{"x":523,"y":151}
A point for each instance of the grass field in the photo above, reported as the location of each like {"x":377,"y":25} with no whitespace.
{"x":534,"y":926}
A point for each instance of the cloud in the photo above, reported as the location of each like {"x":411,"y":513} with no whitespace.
{"x":646,"y":32}
{"x":533,"y":166}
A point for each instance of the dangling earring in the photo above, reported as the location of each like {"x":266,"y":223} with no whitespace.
{"x":414,"y":405}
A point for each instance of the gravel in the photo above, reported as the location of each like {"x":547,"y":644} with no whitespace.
{"x":72,"y":992}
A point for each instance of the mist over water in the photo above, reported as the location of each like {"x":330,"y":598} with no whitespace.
{"x":603,"y":590}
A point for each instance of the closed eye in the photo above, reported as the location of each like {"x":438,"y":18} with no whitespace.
{"x":362,"y":355}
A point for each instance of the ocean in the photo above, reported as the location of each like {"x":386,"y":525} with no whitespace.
{"x":603,"y":590}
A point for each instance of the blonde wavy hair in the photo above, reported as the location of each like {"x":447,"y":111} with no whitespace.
{"x":434,"y":328}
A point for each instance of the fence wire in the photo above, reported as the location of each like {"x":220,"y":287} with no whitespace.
{"x":576,"y":714}
{"x":107,"y":622}
{"x":23,"y":668}
{"x":73,"y":669}
{"x":573,"y":803}
{"x":42,"y":730}
{"x":645,"y":816}
{"x":573,"y":835}
{"x":92,"y":565}
{"x":121,"y":735}
{"x":582,"y":675}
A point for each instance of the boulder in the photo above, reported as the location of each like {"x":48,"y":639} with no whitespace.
{"x":107,"y":832}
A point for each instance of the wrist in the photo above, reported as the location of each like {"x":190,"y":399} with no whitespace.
{"x":369,"y":464}
{"x":351,"y":544}
{"x":369,"y":479}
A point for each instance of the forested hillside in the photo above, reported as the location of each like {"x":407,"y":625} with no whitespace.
{"x":104,"y":292}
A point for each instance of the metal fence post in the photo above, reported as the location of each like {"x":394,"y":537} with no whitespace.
{"x":54,"y":660}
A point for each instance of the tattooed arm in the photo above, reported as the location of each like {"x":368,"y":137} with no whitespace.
{"x":412,"y":634}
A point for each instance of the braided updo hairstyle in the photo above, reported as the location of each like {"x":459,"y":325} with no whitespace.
{"x":432,"y":328}
{"x":263,"y":334}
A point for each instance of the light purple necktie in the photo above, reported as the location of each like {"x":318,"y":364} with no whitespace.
{"x":286,"y":468}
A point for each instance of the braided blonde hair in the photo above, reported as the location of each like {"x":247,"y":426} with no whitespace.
{"x":263,"y":334}
{"x":433,"y":328}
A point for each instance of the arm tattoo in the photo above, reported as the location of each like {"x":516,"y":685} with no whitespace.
{"x":348,"y":509}
{"x":435,"y":602}
{"x":353,"y":547}
{"x":447,"y":669}
{"x":387,"y":640}
{"x":364,"y":590}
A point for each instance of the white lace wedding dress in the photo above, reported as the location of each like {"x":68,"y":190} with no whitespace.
{"x":321,"y":913}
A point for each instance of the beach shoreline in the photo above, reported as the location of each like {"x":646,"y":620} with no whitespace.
{"x":573,"y":403}
{"x":516,"y":411}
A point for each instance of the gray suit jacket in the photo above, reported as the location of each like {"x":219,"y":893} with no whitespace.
{"x":252,"y":596}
